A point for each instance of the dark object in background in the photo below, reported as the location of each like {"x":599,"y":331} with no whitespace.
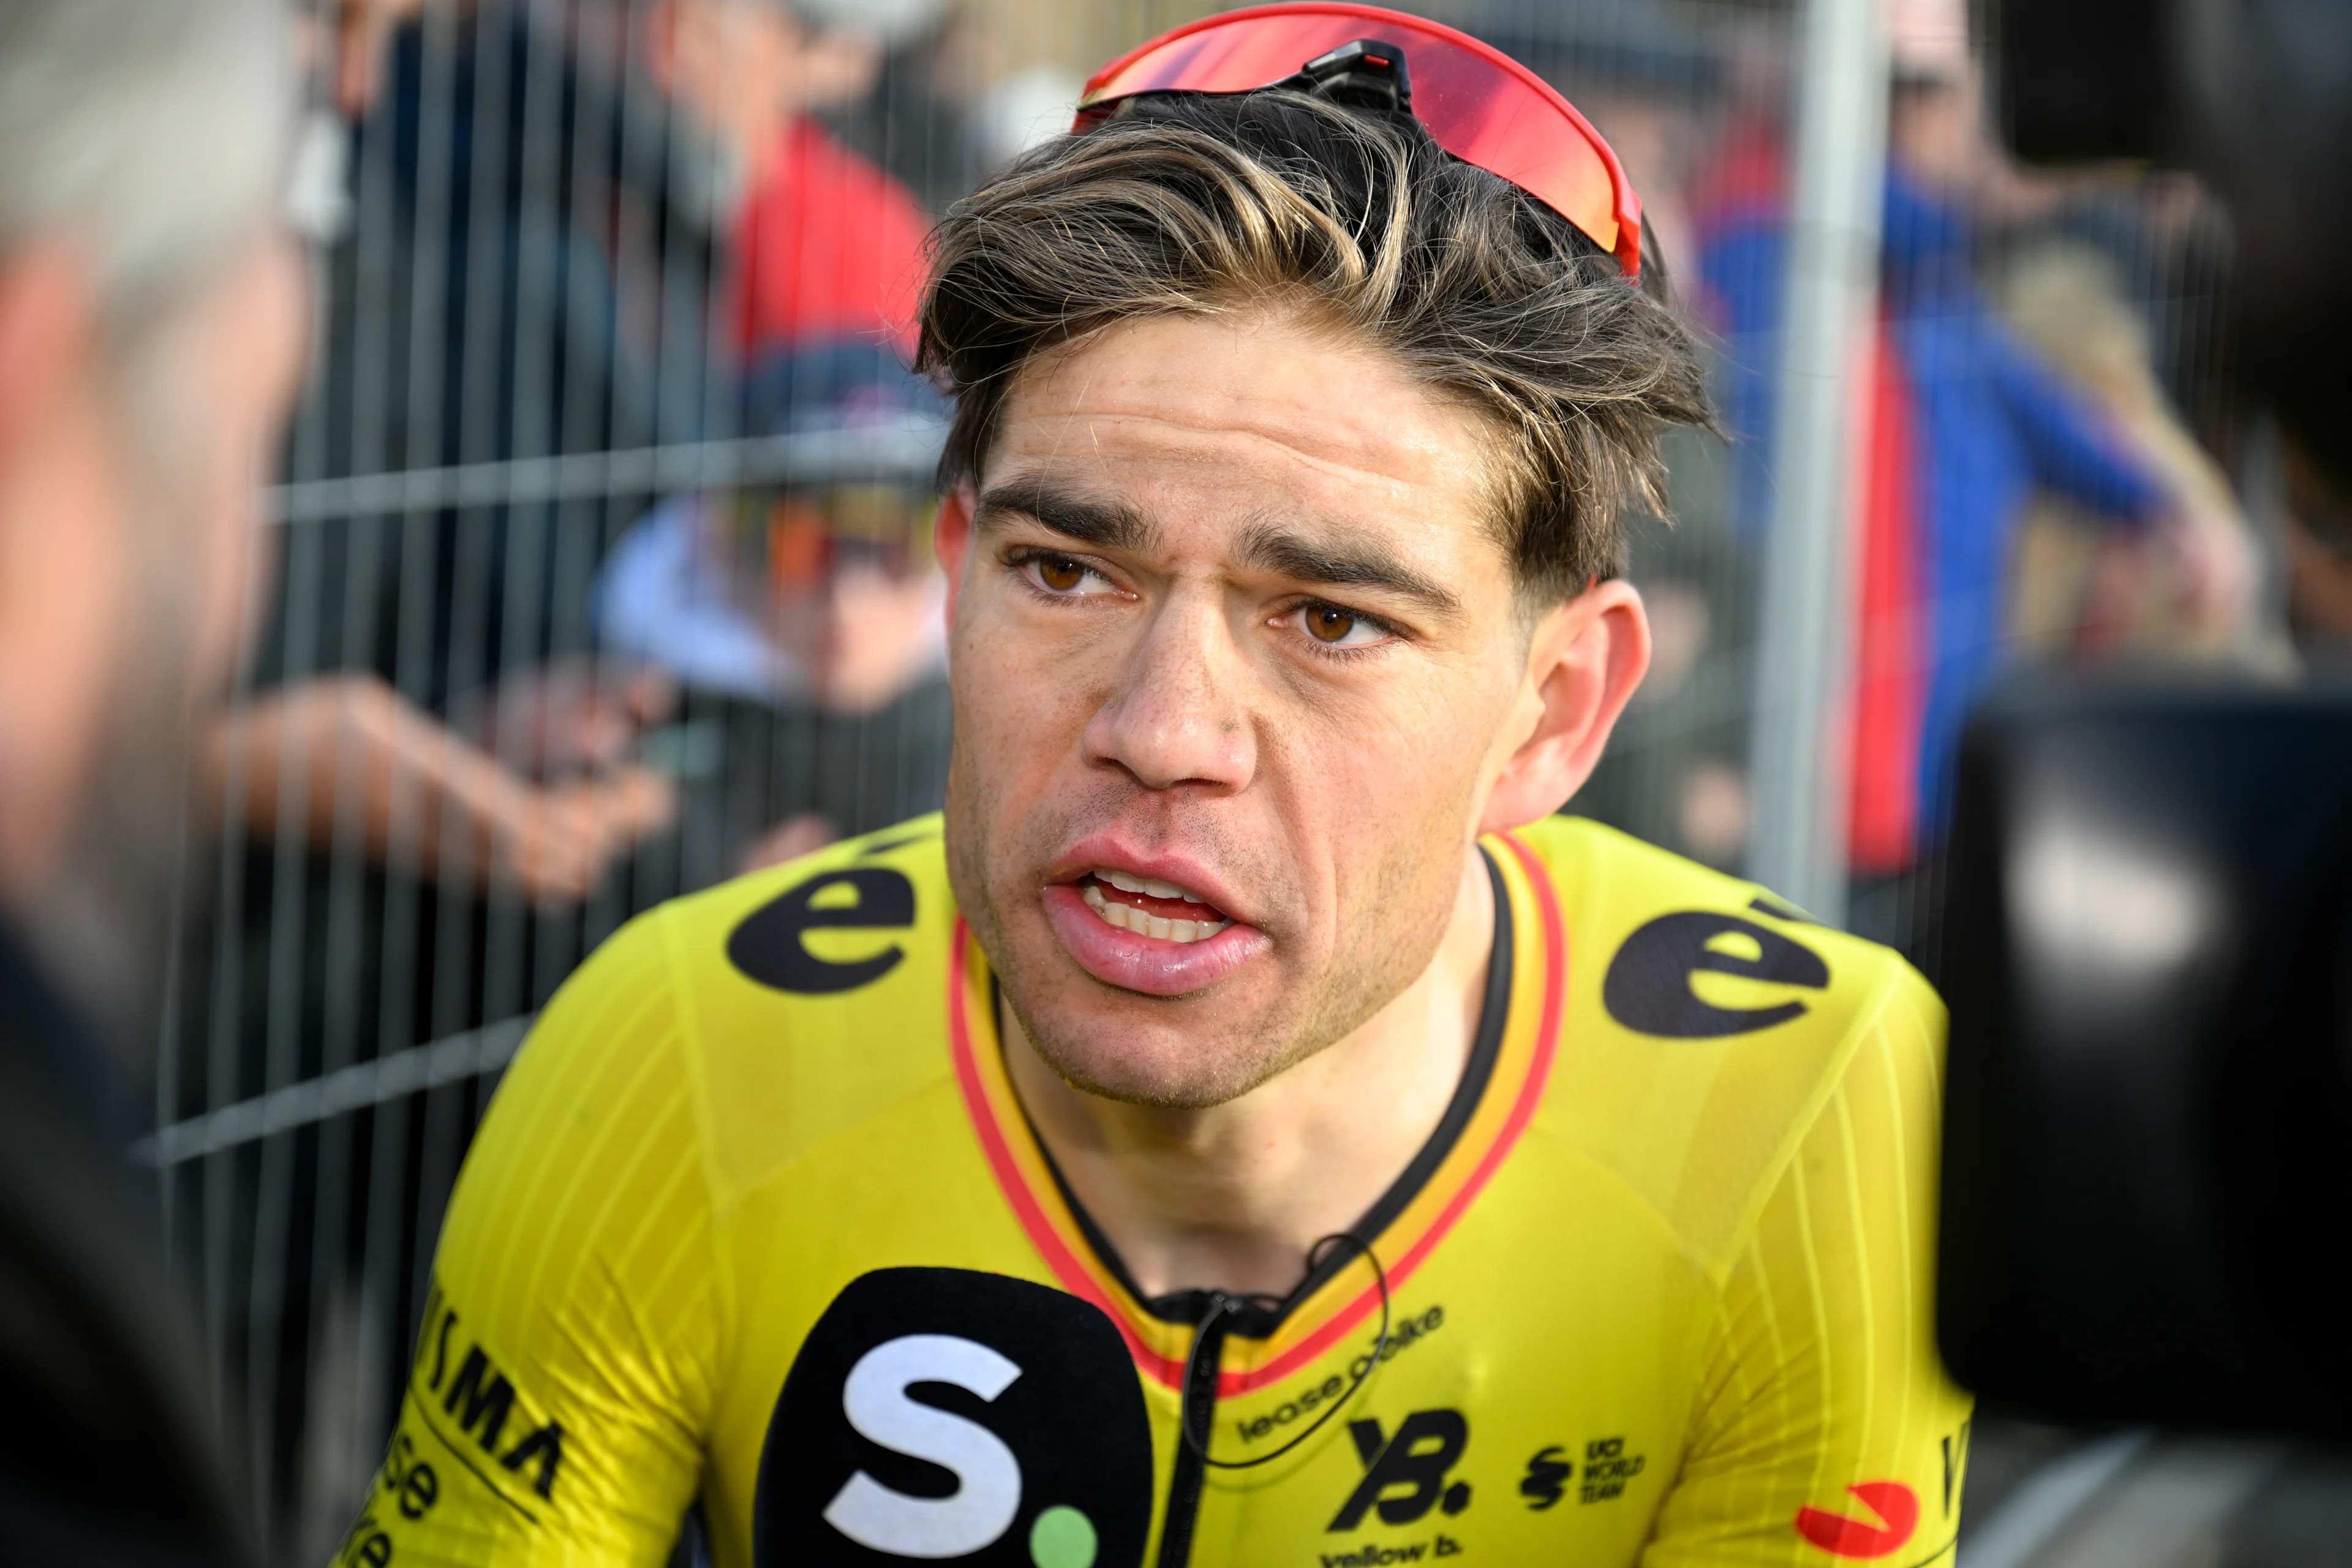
{"x":1602,"y":48}
{"x":2256,"y":97}
{"x":109,"y":1454}
{"x":2147,"y":1192}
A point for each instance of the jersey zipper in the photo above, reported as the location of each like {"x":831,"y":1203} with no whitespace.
{"x":1196,"y":1415}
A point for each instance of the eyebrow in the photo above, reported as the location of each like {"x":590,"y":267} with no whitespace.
{"x":1350,"y":566}
{"x":1265,"y":547}
{"x":1104,"y":524}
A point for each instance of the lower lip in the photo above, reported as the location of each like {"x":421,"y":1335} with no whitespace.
{"x":1133,"y":961}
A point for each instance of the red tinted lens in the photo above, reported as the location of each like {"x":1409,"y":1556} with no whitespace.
{"x":1478,"y":103}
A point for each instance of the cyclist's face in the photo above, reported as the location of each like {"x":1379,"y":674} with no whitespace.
{"x":1234,"y":647}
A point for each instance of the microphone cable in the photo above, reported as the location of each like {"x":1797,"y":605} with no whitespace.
{"x":1221,"y":1304}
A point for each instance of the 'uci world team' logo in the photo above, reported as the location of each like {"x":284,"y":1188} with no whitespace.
{"x":944,"y":1415}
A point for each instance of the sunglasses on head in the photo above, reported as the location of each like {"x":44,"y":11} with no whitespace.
{"x":1477,"y":102}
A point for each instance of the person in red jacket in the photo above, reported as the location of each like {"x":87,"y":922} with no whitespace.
{"x":826,"y":245}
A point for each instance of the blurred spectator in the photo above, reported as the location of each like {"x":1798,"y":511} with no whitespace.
{"x":436,"y":801}
{"x":150,"y":328}
{"x":827,"y":244}
{"x":1967,"y":426}
{"x":472,"y":805}
{"x":918,"y":122}
{"x":805,"y":620}
{"x":1993,"y":422}
{"x":520,"y":781}
{"x":2187,"y":594}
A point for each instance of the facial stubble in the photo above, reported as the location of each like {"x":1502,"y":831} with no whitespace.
{"x":1224,"y":1059}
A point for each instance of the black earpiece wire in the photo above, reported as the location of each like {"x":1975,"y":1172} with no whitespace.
{"x":1222,"y":1304}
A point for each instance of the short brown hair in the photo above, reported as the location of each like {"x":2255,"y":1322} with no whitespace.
{"x":1194,"y":205}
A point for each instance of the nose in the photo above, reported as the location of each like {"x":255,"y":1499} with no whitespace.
{"x":1176,"y":713}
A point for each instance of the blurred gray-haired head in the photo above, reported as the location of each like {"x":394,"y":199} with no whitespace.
{"x":144,"y":142}
{"x":151,"y":134}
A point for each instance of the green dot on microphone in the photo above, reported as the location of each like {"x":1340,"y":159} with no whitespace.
{"x":1062,"y":1538}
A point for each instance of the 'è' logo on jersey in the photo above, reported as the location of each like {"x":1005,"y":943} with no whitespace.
{"x":944,"y":1415}
{"x":1648,"y":986}
{"x":462,"y":1394}
{"x":771,"y":943}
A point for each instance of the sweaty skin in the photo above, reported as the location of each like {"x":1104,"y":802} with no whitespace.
{"x":1231,"y":618}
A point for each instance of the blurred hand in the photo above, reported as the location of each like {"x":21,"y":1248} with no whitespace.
{"x":804,"y":835}
{"x":345,"y":759}
{"x":571,"y":714}
{"x":2214,"y":559}
{"x":553,"y":845}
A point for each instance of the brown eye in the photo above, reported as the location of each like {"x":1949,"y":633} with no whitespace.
{"x":1060,"y":572}
{"x":1329,"y":622}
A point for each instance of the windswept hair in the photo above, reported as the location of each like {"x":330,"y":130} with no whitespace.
{"x":1194,"y":205}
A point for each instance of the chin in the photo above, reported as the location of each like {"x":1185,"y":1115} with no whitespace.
{"x":1173,"y":1065}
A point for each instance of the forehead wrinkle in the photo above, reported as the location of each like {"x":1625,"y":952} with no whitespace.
{"x":1168,"y":408}
{"x":1045,"y":369}
{"x":1270,"y":541}
{"x":1324,"y":466}
{"x":1062,"y":385}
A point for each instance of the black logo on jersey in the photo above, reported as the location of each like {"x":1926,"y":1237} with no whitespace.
{"x":1546,"y":1481}
{"x":1648,"y":986}
{"x":1426,"y":1445}
{"x":942,"y":1413}
{"x":770,"y":944}
{"x":1607,"y":1468}
{"x":475,"y":1400}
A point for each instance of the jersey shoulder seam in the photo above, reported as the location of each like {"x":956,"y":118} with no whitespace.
{"x":1657,"y":1217}
{"x":1865,"y":1018}
{"x":689,"y":1046}
{"x":1864,"y":1014}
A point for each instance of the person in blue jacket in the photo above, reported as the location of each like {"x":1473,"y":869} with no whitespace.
{"x":1994,"y":423}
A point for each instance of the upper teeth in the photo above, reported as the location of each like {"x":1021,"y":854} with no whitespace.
{"x":1155,"y":889}
{"x":1127,"y":917}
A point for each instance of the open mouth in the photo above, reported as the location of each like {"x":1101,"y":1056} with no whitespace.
{"x":1149,"y":907}
{"x":1143,"y":934}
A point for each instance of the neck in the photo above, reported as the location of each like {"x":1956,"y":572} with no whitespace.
{"x":1232,"y":1197}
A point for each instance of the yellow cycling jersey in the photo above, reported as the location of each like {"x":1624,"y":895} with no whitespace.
{"x":756,"y":1221}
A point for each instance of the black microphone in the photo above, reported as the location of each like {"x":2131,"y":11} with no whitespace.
{"x":947,"y":1413}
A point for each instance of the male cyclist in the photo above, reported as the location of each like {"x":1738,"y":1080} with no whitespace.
{"x":1249,"y":1127}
